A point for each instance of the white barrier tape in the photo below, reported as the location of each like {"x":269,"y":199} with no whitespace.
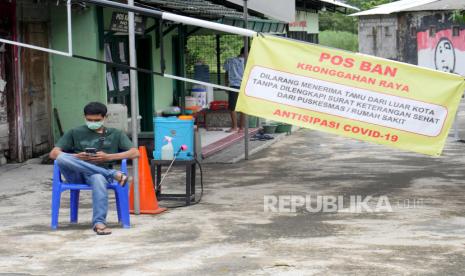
{"x":51,"y":51}
{"x":208,"y":24}
{"x":24,"y":45}
{"x":201,"y":83}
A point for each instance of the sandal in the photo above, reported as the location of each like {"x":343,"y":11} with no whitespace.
{"x":267,"y":137}
{"x":257,"y":137}
{"x":124,"y":179}
{"x":101,"y":229}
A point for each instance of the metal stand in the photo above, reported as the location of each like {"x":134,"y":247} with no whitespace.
{"x":190,"y":165}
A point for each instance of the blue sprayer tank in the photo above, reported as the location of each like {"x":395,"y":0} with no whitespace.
{"x":181,"y":132}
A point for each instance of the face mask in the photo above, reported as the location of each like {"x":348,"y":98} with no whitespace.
{"x":94,"y":125}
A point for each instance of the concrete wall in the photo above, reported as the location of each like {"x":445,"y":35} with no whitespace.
{"x":378,"y":36}
{"x":75,"y":82}
{"x":424,"y":38}
{"x":440,"y":43}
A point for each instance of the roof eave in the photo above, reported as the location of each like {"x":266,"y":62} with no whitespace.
{"x":340,"y":5}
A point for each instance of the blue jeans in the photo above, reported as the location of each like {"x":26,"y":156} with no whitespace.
{"x":76,"y":170}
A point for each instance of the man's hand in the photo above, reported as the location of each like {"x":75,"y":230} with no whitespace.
{"x":99,"y":157}
{"x":83,"y":156}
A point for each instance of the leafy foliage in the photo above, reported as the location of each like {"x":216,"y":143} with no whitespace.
{"x":337,"y":30}
{"x":458,"y":16}
{"x":340,"y":22}
{"x":330,"y":21}
{"x":341,"y":40}
{"x":202,"y":48}
{"x":366,"y":5}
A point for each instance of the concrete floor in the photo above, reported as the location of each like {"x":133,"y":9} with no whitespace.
{"x":229,"y":233}
{"x":212,"y":136}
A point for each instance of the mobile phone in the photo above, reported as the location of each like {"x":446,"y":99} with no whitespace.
{"x":91,"y":151}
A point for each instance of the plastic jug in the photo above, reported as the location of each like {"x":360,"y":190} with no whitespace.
{"x":167,"y":151}
{"x":181,"y":133}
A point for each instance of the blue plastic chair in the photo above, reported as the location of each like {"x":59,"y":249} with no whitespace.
{"x":58,"y":186}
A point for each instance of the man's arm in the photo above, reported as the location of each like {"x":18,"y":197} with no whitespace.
{"x":99,"y":156}
{"x":54,"y":153}
{"x":226,"y":69}
{"x":105,"y":157}
{"x":128,"y":151}
{"x":57,"y":151}
{"x":65,"y":144}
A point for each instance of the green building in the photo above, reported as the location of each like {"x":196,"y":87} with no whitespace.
{"x":45,"y":93}
{"x":76,"y":82}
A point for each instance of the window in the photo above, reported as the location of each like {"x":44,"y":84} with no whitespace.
{"x":432,"y":31}
{"x":413,"y":32}
{"x":387,"y":31}
{"x":455,"y":31}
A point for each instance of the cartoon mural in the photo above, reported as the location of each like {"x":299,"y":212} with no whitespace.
{"x":444,"y":51}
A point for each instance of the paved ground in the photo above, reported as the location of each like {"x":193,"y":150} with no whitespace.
{"x":230,"y":234}
{"x":236,"y":152}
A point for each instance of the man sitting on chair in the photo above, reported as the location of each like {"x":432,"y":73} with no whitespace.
{"x":85,"y":154}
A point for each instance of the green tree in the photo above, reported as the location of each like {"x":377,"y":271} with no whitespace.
{"x":330,"y":21}
{"x":458,"y":16}
{"x":202,"y":48}
{"x":339,"y":30}
{"x":366,"y":5}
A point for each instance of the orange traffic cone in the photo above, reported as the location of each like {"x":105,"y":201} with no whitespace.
{"x":148,"y":199}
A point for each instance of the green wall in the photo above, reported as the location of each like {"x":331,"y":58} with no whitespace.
{"x":164,"y":87}
{"x":75,"y":82}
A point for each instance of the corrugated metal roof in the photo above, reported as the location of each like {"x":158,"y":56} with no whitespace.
{"x":276,"y":9}
{"x":285,"y":10}
{"x":196,"y":8}
{"x":413,"y":5}
{"x":441,"y":5}
{"x":340,"y":4}
{"x":215,"y":12}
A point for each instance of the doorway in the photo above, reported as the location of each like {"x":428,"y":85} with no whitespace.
{"x":145,"y":82}
{"x":8,"y":129}
{"x":118,"y":84}
{"x":35,"y":92}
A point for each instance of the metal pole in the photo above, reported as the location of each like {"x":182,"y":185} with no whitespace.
{"x":70,"y":28}
{"x":134,"y":104}
{"x":218,"y":59}
{"x":246,"y":55}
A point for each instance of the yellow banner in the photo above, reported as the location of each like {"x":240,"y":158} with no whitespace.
{"x":348,"y":94}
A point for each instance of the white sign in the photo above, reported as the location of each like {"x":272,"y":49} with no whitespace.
{"x":278,"y":9}
{"x":123,"y":80}
{"x":348,"y":102}
{"x":111,"y":85}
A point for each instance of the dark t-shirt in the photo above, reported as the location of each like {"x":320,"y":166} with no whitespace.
{"x":78,"y":139}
